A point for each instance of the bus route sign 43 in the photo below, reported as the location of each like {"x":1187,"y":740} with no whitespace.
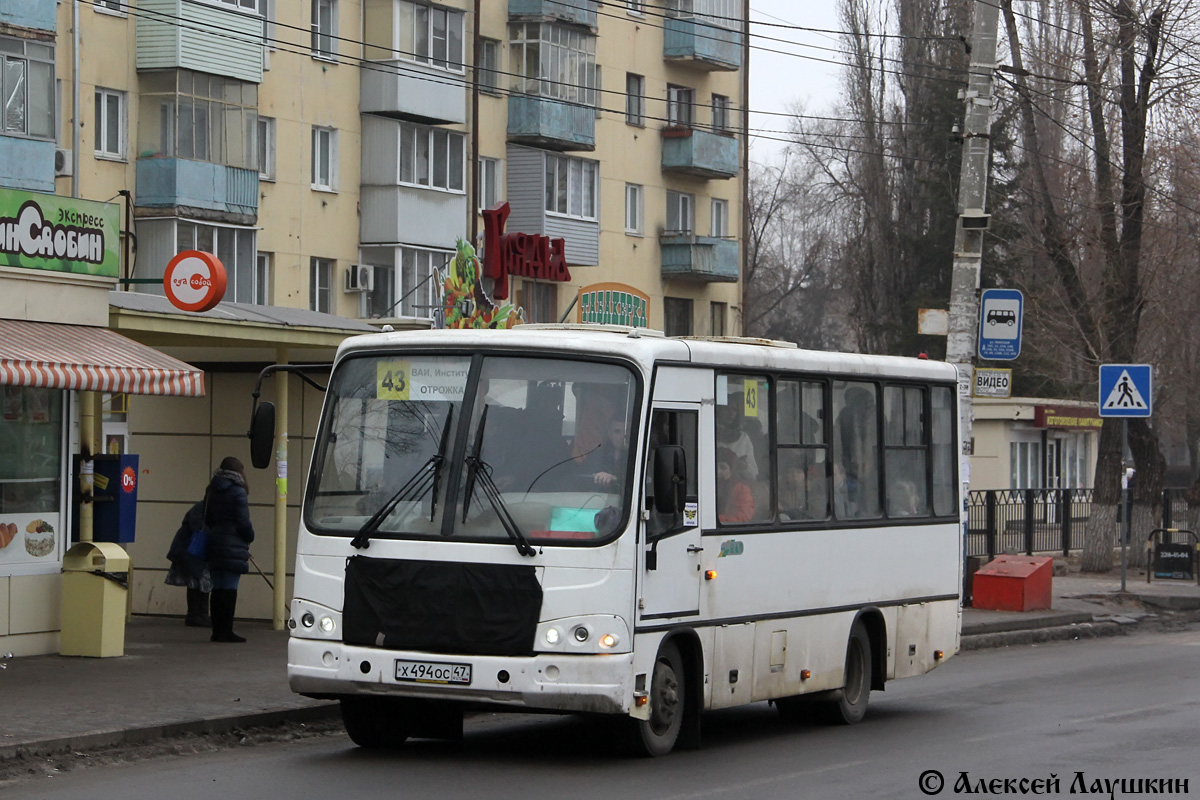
{"x":993,"y":383}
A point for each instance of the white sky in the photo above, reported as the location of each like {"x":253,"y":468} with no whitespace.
{"x":778,"y":81}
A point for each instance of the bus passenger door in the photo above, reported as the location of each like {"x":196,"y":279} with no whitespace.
{"x":671,"y":566}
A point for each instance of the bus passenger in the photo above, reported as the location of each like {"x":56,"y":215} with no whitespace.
{"x":732,"y":435}
{"x":609,"y":459}
{"x":793,"y":492}
{"x":735,"y":501}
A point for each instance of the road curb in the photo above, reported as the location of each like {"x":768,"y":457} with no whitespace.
{"x":100,"y":739}
{"x":1056,"y":633}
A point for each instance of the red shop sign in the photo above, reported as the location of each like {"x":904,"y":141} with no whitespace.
{"x":529,"y":255}
{"x":194,"y":281}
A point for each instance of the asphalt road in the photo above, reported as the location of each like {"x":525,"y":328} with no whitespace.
{"x":1111,"y":709}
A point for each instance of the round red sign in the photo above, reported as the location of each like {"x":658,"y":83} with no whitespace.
{"x":194,"y":280}
{"x":128,"y":480}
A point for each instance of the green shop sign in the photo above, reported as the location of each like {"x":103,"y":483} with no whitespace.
{"x":59,"y":234}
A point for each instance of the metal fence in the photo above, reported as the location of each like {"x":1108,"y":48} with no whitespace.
{"x":1044,"y":520}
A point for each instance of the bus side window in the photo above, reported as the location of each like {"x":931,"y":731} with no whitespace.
{"x":671,"y":428}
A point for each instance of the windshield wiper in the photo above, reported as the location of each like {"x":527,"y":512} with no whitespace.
{"x":415,"y":488}
{"x":479,"y":471}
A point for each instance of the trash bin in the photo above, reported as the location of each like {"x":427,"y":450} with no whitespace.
{"x":95,"y":585}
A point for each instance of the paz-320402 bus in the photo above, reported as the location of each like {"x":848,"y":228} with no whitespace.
{"x":614,"y":522}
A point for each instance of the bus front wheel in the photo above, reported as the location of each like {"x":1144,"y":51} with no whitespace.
{"x":375,"y":722}
{"x":667,"y":699}
{"x":852,"y":703}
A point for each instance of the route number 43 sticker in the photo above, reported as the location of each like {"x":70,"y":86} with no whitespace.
{"x":392,"y":380}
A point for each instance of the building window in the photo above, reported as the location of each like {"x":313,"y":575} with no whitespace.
{"x":634,"y":209}
{"x":725,"y":13}
{"x":680,"y":213}
{"x":571,"y":186}
{"x":720,"y":218}
{"x":430,"y":35}
{"x":200,"y":117}
{"x":717,"y":313}
{"x":111,"y":6}
{"x":552,"y":60}
{"x":680,"y":101}
{"x":233,"y":246}
{"x":488,"y":75}
{"x":677,"y":316}
{"x":635,"y":99}
{"x":110,"y":124}
{"x":324,"y":29}
{"x":720,"y":113}
{"x":266,"y":149}
{"x":31,"y":485}
{"x":406,"y":281}
{"x":26,"y":88}
{"x":490,"y":192}
{"x":538,"y":300}
{"x":262,"y":279}
{"x":635,"y":7}
{"x":320,"y":285}
{"x":268,"y":12}
{"x":432,"y":157}
{"x":324,"y":159}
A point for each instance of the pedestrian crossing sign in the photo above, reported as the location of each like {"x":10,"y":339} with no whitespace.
{"x":1126,"y":390}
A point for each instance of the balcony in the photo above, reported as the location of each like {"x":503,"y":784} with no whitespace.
{"x":576,"y":12}
{"x":180,"y":183}
{"x":705,"y":46}
{"x":34,"y":14}
{"x":26,"y":164}
{"x":699,"y":153}
{"x":411,"y":214}
{"x":551,"y":124}
{"x":411,"y":91}
{"x":183,"y":34}
{"x":699,"y":258}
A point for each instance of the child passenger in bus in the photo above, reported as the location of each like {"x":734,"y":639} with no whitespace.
{"x":735,"y":501}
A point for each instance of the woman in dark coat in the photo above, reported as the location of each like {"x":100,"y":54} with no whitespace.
{"x":229,"y":536}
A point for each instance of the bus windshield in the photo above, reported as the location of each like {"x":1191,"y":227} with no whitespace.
{"x":543,"y":447}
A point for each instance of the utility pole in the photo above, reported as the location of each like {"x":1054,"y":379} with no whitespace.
{"x":972,"y":210}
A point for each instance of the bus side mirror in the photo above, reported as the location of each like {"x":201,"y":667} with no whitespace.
{"x":262,"y":434}
{"x":670,"y":479}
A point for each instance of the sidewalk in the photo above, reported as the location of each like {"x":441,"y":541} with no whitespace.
{"x":172,"y":680}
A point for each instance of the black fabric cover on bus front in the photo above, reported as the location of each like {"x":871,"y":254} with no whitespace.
{"x":441,"y":606}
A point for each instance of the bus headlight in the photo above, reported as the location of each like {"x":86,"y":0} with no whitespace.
{"x":310,"y":620}
{"x":596,"y":633}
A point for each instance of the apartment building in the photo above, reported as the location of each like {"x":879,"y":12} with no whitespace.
{"x":330,"y":153}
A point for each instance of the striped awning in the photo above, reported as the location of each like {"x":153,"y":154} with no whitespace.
{"x":89,"y":359}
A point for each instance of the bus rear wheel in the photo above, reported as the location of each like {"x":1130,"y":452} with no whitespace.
{"x":667,"y":699}
{"x":375,"y":722}
{"x":851,"y":706}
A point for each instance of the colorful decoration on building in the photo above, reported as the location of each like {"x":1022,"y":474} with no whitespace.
{"x":464,"y":303}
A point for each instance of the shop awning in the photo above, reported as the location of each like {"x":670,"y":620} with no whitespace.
{"x":89,"y":359}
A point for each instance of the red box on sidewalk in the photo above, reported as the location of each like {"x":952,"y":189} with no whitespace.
{"x":1014,"y":583}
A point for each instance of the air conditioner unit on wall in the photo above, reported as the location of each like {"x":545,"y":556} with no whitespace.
{"x":62,"y":163}
{"x":360,"y":278}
